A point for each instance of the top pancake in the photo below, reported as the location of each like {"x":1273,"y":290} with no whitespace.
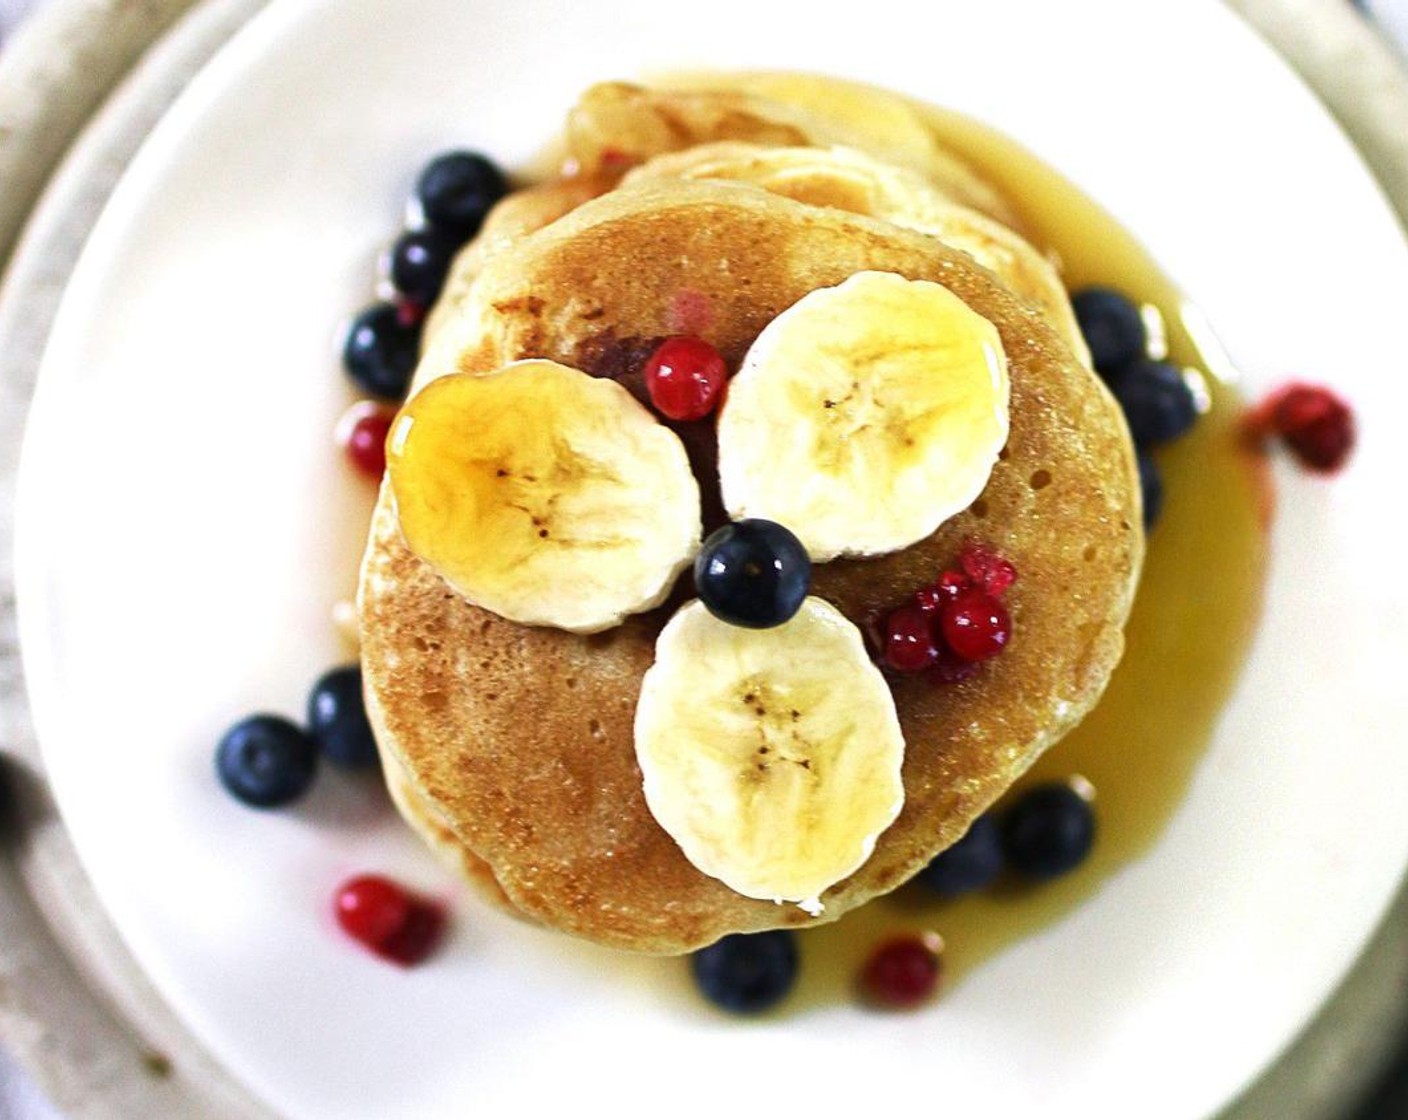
{"x":519,"y":739}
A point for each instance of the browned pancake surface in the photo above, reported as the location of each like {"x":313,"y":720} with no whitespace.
{"x":521,"y":738}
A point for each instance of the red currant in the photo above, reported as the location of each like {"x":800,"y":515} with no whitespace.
{"x":903,"y":971}
{"x":388,"y":919}
{"x":987,"y":569}
{"x":975,"y":626}
{"x":929,"y":599}
{"x":409,"y":312}
{"x":1317,"y":426}
{"x":362,"y":432}
{"x":684,"y":377}
{"x":909,"y":640}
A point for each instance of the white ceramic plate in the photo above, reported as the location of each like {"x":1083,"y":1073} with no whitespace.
{"x":185,"y":529}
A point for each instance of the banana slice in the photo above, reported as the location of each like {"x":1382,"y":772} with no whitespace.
{"x":865,"y":415}
{"x":772,"y":757}
{"x":543,"y":494}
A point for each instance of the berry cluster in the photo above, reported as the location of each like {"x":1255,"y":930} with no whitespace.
{"x":267,"y":761}
{"x":1315,"y":424}
{"x":452,"y":197}
{"x":1157,"y":401}
{"x":953,"y":624}
{"x":1047,"y":832}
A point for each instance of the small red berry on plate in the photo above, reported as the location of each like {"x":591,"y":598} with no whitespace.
{"x":684,"y":377}
{"x":1314,"y":423}
{"x":362,"y":432}
{"x":903,"y":971}
{"x":975,"y":626}
{"x":390,"y":921}
{"x":909,"y":640}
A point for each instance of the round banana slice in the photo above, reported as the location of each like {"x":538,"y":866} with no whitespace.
{"x":865,"y":415}
{"x":543,"y":494}
{"x":772,"y":757}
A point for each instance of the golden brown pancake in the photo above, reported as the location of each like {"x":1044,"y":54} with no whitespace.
{"x":520,"y":740}
{"x":849,"y":180}
{"x":617,"y":125}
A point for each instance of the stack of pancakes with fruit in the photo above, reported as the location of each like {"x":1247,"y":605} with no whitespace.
{"x":754,"y":522}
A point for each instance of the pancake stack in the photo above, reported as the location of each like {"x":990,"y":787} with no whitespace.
{"x":511,"y":745}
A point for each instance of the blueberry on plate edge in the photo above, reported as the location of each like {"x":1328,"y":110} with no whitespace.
{"x":1048,"y":832}
{"x":747,"y":973}
{"x":968,"y":865}
{"x":266,"y":761}
{"x":337,"y":719}
{"x":1112,"y":326}
{"x":381,"y":351}
{"x":457,"y":189}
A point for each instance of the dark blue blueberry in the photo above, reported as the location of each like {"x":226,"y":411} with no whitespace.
{"x":1151,"y":484}
{"x":747,"y":972}
{"x":969,"y":865}
{"x":1048,"y":832}
{"x":1112,"y":326}
{"x":753,"y":573}
{"x":381,"y":351}
{"x":456,"y":190}
{"x":420,"y":261}
{"x":266,"y":761}
{"x":337,"y":719}
{"x":1157,"y":403}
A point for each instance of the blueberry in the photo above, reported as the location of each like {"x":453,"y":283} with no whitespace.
{"x":456,"y":190}
{"x":747,"y":972}
{"x":337,"y":719}
{"x":1048,"y":832}
{"x":420,"y":261}
{"x":1112,"y":326}
{"x":266,"y":761}
{"x":381,"y":351}
{"x":969,"y":865}
{"x":1157,"y":403}
{"x":752,"y":573}
{"x":1151,"y":485}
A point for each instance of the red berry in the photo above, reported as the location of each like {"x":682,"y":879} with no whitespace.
{"x":903,"y":971}
{"x":951,"y":584}
{"x":975,"y":626}
{"x":409,"y":312}
{"x":987,"y":569}
{"x":684,"y":377}
{"x":1316,"y":425}
{"x":362,"y":432}
{"x":388,"y":919}
{"x":909,"y":640}
{"x":929,"y":599}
